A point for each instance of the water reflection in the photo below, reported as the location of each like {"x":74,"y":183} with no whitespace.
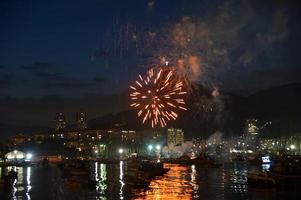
{"x":28,"y":188}
{"x":121,"y":180}
{"x":178,"y":183}
{"x":193,"y":182}
{"x":21,"y":186}
{"x":238,"y":178}
{"x":181,"y":182}
{"x":102,"y":183}
{"x":265,"y":167}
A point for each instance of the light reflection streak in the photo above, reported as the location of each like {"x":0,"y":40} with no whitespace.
{"x":102,"y":183}
{"x":14,"y":188}
{"x":28,"y":177}
{"x":238,"y":179}
{"x":193,"y":182}
{"x":96,"y":171}
{"x":121,"y":180}
{"x":266,"y":167}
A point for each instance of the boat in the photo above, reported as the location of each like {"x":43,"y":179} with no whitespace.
{"x":261,"y":180}
{"x":287,"y":173}
{"x":259,"y":160}
{"x":153,"y":168}
{"x":77,"y":174}
{"x":206,"y":163}
{"x":140,"y":173}
{"x":136,"y":178}
{"x":284,"y":175}
{"x":200,"y":161}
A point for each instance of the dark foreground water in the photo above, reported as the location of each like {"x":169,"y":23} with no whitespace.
{"x":181,"y":182}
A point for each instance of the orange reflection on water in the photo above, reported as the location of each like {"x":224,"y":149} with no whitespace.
{"x":176,"y":184}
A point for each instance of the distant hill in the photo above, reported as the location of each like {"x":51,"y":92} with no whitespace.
{"x":6,"y":130}
{"x":281,"y":105}
{"x":205,"y":115}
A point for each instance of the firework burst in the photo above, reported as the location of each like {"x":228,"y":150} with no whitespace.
{"x":158,"y":96}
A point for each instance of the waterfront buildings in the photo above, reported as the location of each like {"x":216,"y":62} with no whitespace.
{"x":175,"y":137}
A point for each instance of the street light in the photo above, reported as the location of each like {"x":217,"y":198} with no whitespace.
{"x":120,"y":151}
{"x":158,"y":147}
{"x":150,"y":147}
{"x":292,"y":146}
{"x":28,"y":156}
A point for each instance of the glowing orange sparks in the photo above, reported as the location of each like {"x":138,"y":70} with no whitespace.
{"x":158,"y":96}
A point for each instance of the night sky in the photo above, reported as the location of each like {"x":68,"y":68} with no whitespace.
{"x":79,"y":49}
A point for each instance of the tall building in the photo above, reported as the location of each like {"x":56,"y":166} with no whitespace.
{"x":251,"y":140}
{"x":128,"y":136}
{"x":251,"y":127}
{"x":60,"y":121}
{"x":175,"y":137}
{"x":81,"y":119}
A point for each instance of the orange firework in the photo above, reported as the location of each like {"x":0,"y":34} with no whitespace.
{"x":158,"y":96}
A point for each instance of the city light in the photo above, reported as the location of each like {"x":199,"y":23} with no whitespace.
{"x":28,"y":156}
{"x":292,"y":146}
{"x":266,"y":159}
{"x":120,"y":151}
{"x":158,"y":147}
{"x":150,"y":147}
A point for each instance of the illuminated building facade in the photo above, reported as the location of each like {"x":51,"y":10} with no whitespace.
{"x":175,"y":137}
{"x":18,"y":139}
{"x":250,"y":139}
{"x":81,"y":120}
{"x":60,"y":121}
{"x":128,"y":135}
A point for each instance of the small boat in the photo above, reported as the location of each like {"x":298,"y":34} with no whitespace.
{"x":201,"y":161}
{"x":205,"y":162}
{"x":77,"y":174}
{"x":140,"y":174}
{"x":153,"y":168}
{"x":262,"y":180}
{"x":137,"y":180}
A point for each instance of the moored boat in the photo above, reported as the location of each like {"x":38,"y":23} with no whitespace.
{"x":261,"y":180}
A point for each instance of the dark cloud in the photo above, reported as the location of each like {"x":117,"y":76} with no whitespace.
{"x":261,"y":79}
{"x":42,"y":70}
{"x":52,"y":77}
{"x":48,"y":75}
{"x":99,"y":79}
{"x":2,"y":67}
{"x":40,"y":111}
{"x":7,"y":79}
{"x":37,"y":66}
{"x":66,"y":82}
